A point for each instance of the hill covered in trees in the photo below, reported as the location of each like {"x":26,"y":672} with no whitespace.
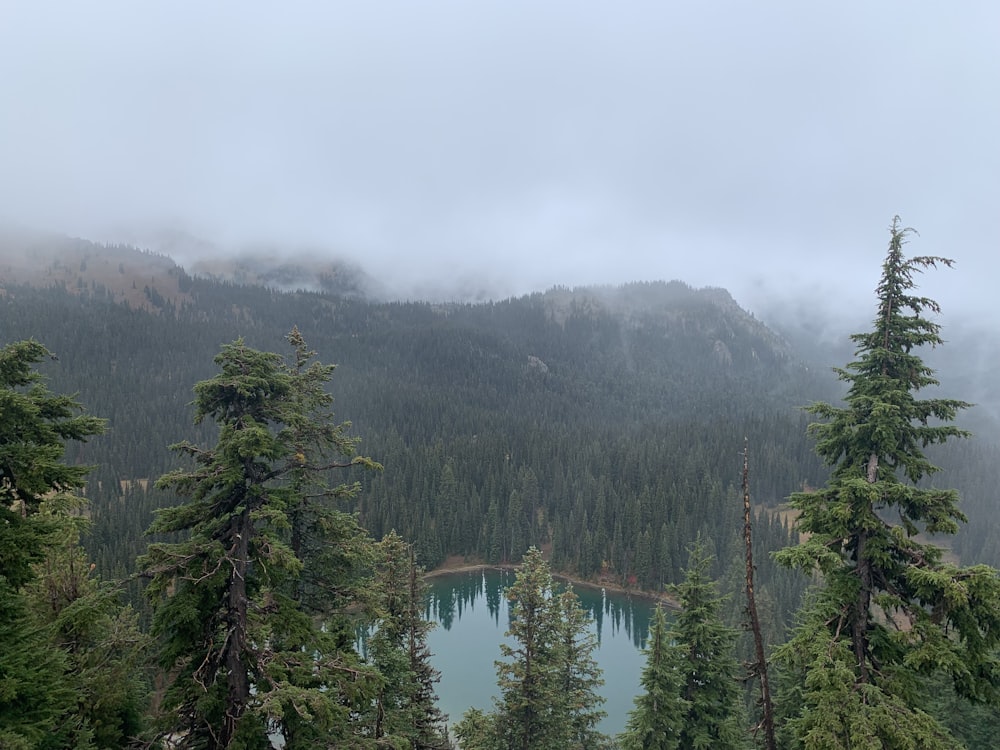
{"x":602,"y":425}
{"x":590,"y":420}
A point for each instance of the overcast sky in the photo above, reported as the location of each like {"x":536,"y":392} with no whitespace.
{"x":759,"y":146}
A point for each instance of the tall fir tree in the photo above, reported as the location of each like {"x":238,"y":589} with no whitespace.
{"x":38,"y":500}
{"x":333,"y":585}
{"x":657,"y":719}
{"x":579,"y":676}
{"x":548,"y":677}
{"x":890,"y":607}
{"x":691,"y":695}
{"x":104,"y":650}
{"x":35,"y":425}
{"x":251,"y":648}
{"x":528,"y":677}
{"x":406,"y":703}
{"x":710,"y":673}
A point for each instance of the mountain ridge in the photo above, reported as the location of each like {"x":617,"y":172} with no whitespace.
{"x":595,"y":420}
{"x":46,"y":259}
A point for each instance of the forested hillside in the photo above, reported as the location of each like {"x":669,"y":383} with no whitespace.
{"x":604,"y":424}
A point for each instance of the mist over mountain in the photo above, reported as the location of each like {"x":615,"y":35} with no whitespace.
{"x":604,"y":422}
{"x":815,"y":327}
{"x":807,"y":326}
{"x":570,"y":261}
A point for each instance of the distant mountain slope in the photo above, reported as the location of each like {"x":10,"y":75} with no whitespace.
{"x":637,"y":336}
{"x":118,"y":272}
{"x":602,"y":423}
{"x":129,"y":274}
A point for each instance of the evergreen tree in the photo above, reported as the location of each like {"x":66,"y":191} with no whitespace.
{"x":657,"y":719}
{"x":691,"y":695}
{"x":102,"y":646}
{"x":245,"y":656}
{"x":529,"y":678}
{"x":333,"y":586}
{"x":33,"y":696}
{"x":405,"y":706}
{"x":821,"y":704}
{"x":37,"y":497}
{"x":579,"y":676}
{"x":35,"y":425}
{"x":890,"y":606}
{"x":707,"y":648}
{"x":548,"y":678}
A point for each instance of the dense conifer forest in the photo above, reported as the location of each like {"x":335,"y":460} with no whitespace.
{"x":589,"y":421}
{"x":603,"y":426}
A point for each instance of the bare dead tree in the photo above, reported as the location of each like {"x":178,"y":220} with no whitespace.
{"x":757,"y":668}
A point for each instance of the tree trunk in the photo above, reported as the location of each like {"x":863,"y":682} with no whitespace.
{"x":237,"y":679}
{"x":859,"y":625}
{"x":759,"y":667}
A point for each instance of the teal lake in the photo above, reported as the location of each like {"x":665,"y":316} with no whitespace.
{"x":472,"y":615}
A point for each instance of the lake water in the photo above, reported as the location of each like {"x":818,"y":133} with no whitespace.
{"x":472,"y":613}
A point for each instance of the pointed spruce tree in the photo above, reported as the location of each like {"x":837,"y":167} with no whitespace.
{"x":251,"y":606}
{"x":406,"y":706}
{"x":548,"y":677}
{"x":528,"y":677}
{"x":709,"y":669}
{"x":890,"y":607}
{"x":579,"y":676}
{"x":38,"y":496}
{"x":657,"y":719}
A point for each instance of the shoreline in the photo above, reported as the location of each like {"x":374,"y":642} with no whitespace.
{"x":663,"y":597}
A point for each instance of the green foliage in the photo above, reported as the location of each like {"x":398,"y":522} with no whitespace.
{"x":405,"y":707}
{"x":548,"y":677}
{"x":692,"y":696}
{"x":579,"y":677}
{"x":657,"y":720}
{"x":248,"y":641}
{"x":70,"y":656}
{"x":103,"y":649}
{"x":33,"y":697}
{"x":529,"y":675}
{"x":711,"y":685}
{"x":35,"y":425}
{"x":823,"y":705}
{"x":480,"y":731}
{"x":890,"y":607}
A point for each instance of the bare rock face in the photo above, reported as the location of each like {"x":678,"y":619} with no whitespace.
{"x":535,"y":363}
{"x":722,"y":354}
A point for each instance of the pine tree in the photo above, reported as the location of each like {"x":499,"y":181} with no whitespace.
{"x":405,"y":706}
{"x":37,"y":499}
{"x":529,"y":677}
{"x":710,"y":686}
{"x":579,"y":676}
{"x":103,"y":649}
{"x":890,"y":607}
{"x":245,"y":634}
{"x":35,"y":425}
{"x":548,"y":676}
{"x":657,"y":719}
